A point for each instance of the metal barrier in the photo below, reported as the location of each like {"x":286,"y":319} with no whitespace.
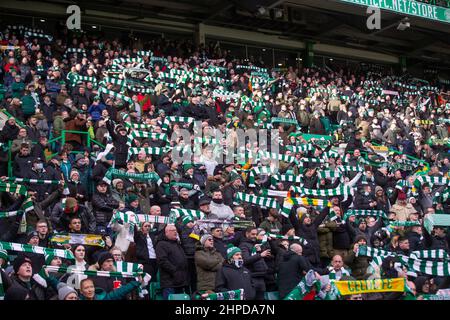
{"x":52,"y":141}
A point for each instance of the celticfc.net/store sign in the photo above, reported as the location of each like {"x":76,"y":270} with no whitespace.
{"x":410,"y":7}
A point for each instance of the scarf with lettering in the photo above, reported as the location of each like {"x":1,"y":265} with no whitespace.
{"x":76,"y":238}
{"x":113,"y":173}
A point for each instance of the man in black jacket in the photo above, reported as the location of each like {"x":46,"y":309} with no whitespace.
{"x":436,"y":241}
{"x":233,"y":275}
{"x":172,"y":263}
{"x":188,"y":243}
{"x":23,"y":286}
{"x":120,"y":144}
{"x":103,"y":205}
{"x":254,"y":261}
{"x":307,"y":229}
{"x":292,"y":269}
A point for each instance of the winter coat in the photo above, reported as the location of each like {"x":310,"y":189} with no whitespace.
{"x":75,"y":124}
{"x":103,"y":205}
{"x":358,"y":264}
{"x":120,"y":145}
{"x":34,"y":290}
{"x":229,"y":277}
{"x":291,"y":272}
{"x":172,"y":263}
{"x":253,"y":261}
{"x":42,"y":189}
{"x":325,"y":237}
{"x":187,"y":242}
{"x":221,"y":246}
{"x":434,"y":242}
{"x":271,"y":227}
{"x":309,"y":233}
{"x":207,"y":263}
{"x":316,"y":127}
{"x":22,"y":165}
{"x":415,"y":241}
{"x":9,"y":132}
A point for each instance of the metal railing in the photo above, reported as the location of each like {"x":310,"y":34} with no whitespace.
{"x":51,"y":142}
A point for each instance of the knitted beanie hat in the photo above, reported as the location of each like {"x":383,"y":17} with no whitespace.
{"x":232,"y":250}
{"x":64,"y":290}
{"x":205,"y":237}
{"x":186,"y":220}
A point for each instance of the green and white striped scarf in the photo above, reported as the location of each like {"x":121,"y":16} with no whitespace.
{"x":28,"y":34}
{"x":258,"y":69}
{"x":365,"y":213}
{"x":66,"y":254}
{"x":116,"y":173}
{"x":147,"y":151}
{"x":13,"y":188}
{"x":78,"y":78}
{"x":430,"y":254}
{"x":115,"y":94}
{"x":350,"y":169}
{"x":293,"y":238}
{"x":227,"y":295}
{"x":431,"y":181}
{"x":75,"y":50}
{"x":180,"y":119}
{"x":373,"y":252}
{"x":433,"y":268}
{"x":94,"y":273}
{"x":332,"y":274}
{"x":274,"y":193}
{"x":329,"y":174}
{"x":278,"y":156}
{"x":7,"y":214}
{"x":342,"y":190}
{"x":256,"y":171}
{"x":114,"y":81}
{"x":194,"y":214}
{"x":305,"y":286}
{"x":303,"y":148}
{"x":260,"y":201}
{"x":144,"y":134}
{"x":288,"y":178}
{"x":32,"y":181}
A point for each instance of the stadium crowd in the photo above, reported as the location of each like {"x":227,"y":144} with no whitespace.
{"x":95,"y":205}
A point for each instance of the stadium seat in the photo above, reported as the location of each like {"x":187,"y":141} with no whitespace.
{"x":179,"y":296}
{"x":272,"y":295}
